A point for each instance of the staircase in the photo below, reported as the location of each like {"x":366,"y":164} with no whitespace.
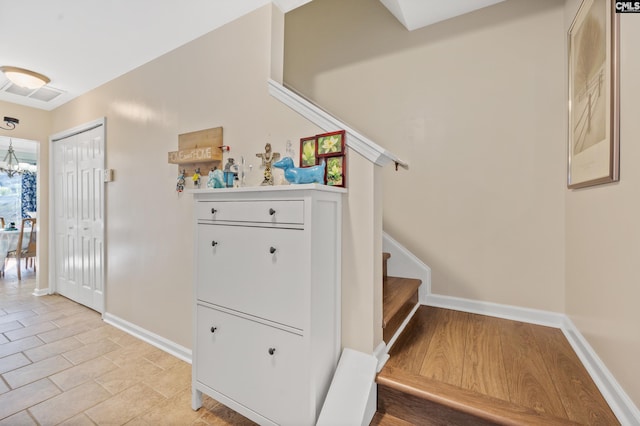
{"x":400,"y":296}
{"x":456,"y":368}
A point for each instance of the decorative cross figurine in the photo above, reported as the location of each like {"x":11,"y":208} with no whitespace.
{"x":268,"y":157}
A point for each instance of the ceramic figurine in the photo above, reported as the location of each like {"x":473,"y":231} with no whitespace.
{"x":180,"y":183}
{"x":218,"y":179}
{"x":301,"y":175}
{"x":210,"y":181}
{"x":196,"y":178}
{"x":229,"y":172}
{"x":267,"y":158}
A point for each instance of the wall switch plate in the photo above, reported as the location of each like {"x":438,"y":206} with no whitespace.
{"x":108,"y":175}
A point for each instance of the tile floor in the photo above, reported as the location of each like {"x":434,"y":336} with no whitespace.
{"x":61,"y":364}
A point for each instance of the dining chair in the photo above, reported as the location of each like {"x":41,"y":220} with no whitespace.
{"x":24,"y":249}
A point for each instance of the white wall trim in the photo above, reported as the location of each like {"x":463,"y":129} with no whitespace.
{"x":361,"y":144}
{"x":40,"y":291}
{"x":153,"y":339}
{"x":515,"y":313}
{"x":620,"y":403}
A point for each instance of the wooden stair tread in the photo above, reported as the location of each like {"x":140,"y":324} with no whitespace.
{"x":466,"y":401}
{"x":383,"y":419}
{"x":397,"y":291}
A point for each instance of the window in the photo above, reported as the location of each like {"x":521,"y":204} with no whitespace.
{"x":10,"y":198}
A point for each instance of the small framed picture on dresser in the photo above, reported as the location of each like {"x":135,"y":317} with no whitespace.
{"x":330,"y":144}
{"x":308,"y":152}
{"x":335,"y":170}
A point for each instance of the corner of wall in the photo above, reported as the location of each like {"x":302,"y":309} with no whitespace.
{"x":277,"y":44}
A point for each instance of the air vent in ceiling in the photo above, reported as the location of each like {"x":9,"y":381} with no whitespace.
{"x":44,"y":94}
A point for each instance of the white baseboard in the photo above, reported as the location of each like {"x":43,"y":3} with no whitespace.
{"x":620,"y":403}
{"x":40,"y":291}
{"x":153,"y":339}
{"x":515,"y":313}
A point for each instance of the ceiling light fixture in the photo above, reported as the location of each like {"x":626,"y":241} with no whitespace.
{"x":10,"y":122}
{"x":25,"y":78}
{"x":11,"y":164}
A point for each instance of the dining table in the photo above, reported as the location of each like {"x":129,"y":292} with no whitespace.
{"x":9,"y":242}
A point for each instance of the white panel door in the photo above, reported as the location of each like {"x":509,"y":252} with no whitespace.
{"x":78,"y":162}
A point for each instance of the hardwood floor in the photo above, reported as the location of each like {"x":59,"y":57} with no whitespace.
{"x":506,"y":372}
{"x":61,"y":364}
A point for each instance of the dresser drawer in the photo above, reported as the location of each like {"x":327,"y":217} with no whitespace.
{"x":275,"y":212}
{"x":237,"y":270}
{"x":258,"y":366}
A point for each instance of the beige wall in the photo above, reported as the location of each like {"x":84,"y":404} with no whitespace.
{"x":476,"y":106}
{"x":603,"y":237}
{"x":217,"y":80}
{"x":35,"y":125}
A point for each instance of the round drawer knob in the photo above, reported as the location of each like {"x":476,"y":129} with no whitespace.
{"x":213,"y":329}
{"x":213,"y":210}
{"x":214,"y":243}
{"x":272,"y":351}
{"x":272,"y":212}
{"x":272,"y":250}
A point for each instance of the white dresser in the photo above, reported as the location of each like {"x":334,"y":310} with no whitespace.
{"x":267,"y":299}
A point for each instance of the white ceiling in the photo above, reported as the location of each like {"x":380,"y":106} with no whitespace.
{"x":82,"y":44}
{"x":414,"y":14}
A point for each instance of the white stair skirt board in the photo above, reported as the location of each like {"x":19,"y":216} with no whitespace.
{"x":403,"y":263}
{"x":620,"y":403}
{"x":401,"y":328}
{"x":352,"y":396}
{"x":159,"y":342}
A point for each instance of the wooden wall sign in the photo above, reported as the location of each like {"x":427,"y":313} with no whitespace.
{"x":201,"y":149}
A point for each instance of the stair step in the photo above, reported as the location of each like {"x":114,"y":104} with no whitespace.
{"x":385,"y":258}
{"x":418,"y":399}
{"x":382,"y":419}
{"x":400,"y":296}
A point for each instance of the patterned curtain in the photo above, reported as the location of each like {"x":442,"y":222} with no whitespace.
{"x":28,"y":193}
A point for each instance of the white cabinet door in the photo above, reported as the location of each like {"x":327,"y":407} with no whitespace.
{"x":237,"y":269}
{"x":258,"y":366}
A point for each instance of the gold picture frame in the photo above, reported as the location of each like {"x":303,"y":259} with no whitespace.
{"x":594,"y":93}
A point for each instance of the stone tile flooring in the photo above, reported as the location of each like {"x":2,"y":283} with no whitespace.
{"x":61,"y":364}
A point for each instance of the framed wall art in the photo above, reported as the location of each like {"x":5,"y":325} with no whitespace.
{"x":594,"y":116}
{"x":308,"y":152}
{"x":335,"y":171}
{"x":329,"y":144}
